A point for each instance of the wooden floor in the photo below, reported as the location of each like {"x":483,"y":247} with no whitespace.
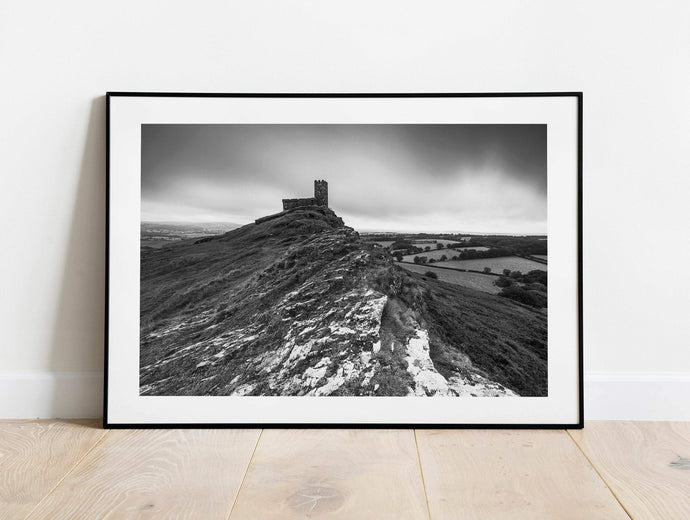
{"x":611,"y":470}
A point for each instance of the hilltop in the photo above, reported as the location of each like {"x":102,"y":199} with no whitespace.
{"x":297,"y":304}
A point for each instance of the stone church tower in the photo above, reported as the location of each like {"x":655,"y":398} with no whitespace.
{"x":321,"y":193}
{"x":320,"y":198}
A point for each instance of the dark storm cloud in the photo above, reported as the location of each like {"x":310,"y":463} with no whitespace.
{"x":397,"y":177}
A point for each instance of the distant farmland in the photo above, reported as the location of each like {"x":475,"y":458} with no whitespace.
{"x":423,"y":242}
{"x":433,"y":253}
{"x":480,"y":282}
{"x":433,"y":241}
{"x":444,"y":241}
{"x":438,"y":253}
{"x":476,"y":248}
{"x":497,"y":265}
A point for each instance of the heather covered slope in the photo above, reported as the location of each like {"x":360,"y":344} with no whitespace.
{"x":298,"y":305}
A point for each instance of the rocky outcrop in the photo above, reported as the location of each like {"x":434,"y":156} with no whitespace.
{"x":294,"y":305}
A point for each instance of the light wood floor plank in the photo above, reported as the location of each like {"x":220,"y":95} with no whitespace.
{"x":646,"y":464}
{"x":35,"y":455}
{"x":152,"y":474}
{"x":511,"y":474}
{"x":348,"y":474}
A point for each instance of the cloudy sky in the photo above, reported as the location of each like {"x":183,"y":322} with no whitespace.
{"x":415,"y":178}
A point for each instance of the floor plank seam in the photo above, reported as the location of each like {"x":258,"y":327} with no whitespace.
{"x":421,"y":473}
{"x":596,"y":470}
{"x":67,"y":473}
{"x":239,"y":489}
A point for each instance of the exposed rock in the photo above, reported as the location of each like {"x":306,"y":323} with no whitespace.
{"x":295,"y":305}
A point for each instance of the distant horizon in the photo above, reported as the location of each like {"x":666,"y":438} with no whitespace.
{"x":365,"y":231}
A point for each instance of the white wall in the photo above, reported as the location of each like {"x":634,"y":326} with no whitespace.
{"x":630,"y":58}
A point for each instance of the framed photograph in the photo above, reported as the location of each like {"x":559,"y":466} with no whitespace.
{"x":332,"y":260}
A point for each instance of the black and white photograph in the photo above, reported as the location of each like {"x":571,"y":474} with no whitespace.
{"x":344,"y":260}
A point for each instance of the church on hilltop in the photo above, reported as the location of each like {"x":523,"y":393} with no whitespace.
{"x":320,"y":197}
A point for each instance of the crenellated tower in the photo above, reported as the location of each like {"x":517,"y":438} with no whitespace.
{"x":320,"y":198}
{"x":321,"y":193}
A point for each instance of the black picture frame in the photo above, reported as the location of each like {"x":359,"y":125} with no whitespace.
{"x":108,"y":423}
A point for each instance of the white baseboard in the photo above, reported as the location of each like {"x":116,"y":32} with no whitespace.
{"x":637,"y":396}
{"x":608,"y":396}
{"x":46,"y":395}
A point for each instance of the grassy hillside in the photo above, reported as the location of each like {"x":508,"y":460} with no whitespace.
{"x":299,"y":305}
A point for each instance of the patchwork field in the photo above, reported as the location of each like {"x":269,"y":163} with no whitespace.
{"x":431,"y":242}
{"x":476,"y":248}
{"x":497,"y":265}
{"x":443,"y":241}
{"x":436,"y":254}
{"x":480,"y":282}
